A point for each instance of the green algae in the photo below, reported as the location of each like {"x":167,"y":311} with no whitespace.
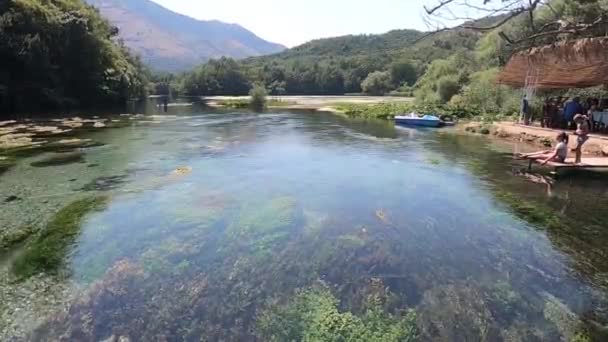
{"x":313,"y":315}
{"x":47,"y":251}
{"x":260,"y":228}
{"x":275,"y":215}
{"x":532,"y":212}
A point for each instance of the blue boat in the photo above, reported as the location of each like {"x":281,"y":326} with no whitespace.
{"x":414,"y":120}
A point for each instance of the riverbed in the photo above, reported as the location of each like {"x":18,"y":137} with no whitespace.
{"x":289,"y":225}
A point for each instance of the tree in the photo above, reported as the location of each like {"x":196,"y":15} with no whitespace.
{"x":377,"y":83}
{"x":403,"y":72}
{"x":447,"y":87}
{"x":539,"y":22}
{"x":58,"y":54}
{"x":258,"y":97}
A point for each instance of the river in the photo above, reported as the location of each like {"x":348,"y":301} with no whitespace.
{"x":296,"y":225}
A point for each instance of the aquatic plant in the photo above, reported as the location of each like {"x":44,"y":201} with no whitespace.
{"x":261,"y":227}
{"x":532,"y":212}
{"x":47,"y":251}
{"x":105,"y":183}
{"x":313,"y":315}
{"x":456,"y":313}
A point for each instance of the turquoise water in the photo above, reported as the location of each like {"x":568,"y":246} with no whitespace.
{"x":211,"y":221}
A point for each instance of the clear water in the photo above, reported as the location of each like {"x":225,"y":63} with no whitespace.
{"x":270,"y":203}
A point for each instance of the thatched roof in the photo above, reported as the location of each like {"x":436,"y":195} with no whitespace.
{"x":578,"y":63}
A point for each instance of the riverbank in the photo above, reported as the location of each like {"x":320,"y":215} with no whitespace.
{"x":318,"y":103}
{"x":597,"y":145}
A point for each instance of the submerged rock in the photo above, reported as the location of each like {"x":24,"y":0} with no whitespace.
{"x":12,"y":237}
{"x":17,"y":140}
{"x":11,"y":198}
{"x":7,"y":122}
{"x":182,"y":171}
{"x":60,"y":159}
{"x":6,"y":163}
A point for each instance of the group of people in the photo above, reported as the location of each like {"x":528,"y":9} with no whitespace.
{"x":563,"y":113}
{"x":559,"y":112}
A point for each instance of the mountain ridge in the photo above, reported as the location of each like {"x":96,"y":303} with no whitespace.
{"x":170,"y":41}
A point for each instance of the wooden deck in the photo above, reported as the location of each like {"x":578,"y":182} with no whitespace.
{"x":588,"y":163}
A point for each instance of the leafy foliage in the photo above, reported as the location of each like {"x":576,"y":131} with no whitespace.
{"x":62,"y":53}
{"x":377,"y":83}
{"x":335,"y":66}
{"x":258,"y":96}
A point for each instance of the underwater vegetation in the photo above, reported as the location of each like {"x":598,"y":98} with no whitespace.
{"x":313,"y":315}
{"x":46,"y":252}
{"x":105,"y":183}
{"x":260,"y":227}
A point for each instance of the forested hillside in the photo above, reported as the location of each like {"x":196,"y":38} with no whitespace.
{"x":394,"y":61}
{"x":455,"y":69}
{"x":62,"y":54}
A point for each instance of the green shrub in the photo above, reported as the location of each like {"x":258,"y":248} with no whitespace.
{"x":258,"y":96}
{"x":446,"y":88}
{"x":377,"y":83}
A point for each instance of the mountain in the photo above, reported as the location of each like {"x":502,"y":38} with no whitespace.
{"x":168,"y":41}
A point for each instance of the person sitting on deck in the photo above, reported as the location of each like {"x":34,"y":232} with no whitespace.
{"x":559,"y":154}
{"x":582,"y":133}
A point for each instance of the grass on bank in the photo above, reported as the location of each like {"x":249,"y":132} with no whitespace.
{"x":245,"y":104}
{"x":388,"y":110}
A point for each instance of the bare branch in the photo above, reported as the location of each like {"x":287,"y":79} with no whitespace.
{"x":440,"y":5}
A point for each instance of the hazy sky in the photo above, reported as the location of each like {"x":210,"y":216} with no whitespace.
{"x":294,"y":22}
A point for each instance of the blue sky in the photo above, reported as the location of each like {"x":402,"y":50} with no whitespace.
{"x":295,"y":22}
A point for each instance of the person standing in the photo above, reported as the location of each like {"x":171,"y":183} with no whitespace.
{"x":525,"y":111}
{"x":582,"y":133}
{"x":572,"y":107}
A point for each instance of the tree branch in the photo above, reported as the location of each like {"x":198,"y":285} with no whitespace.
{"x":440,"y":5}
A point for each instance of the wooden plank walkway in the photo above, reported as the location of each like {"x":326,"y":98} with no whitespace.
{"x":588,"y":163}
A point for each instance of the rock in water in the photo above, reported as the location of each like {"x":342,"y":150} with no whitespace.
{"x":182,"y":171}
{"x":12,"y":198}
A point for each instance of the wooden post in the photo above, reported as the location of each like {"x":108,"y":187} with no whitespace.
{"x":530,"y":161}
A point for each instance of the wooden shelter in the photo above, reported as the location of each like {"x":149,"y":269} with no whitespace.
{"x":580,"y":63}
